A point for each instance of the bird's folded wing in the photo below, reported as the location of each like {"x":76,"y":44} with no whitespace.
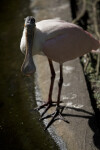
{"x":54,"y":27}
{"x":73,"y":42}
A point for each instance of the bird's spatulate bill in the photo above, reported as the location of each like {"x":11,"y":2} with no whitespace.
{"x":28,"y":66}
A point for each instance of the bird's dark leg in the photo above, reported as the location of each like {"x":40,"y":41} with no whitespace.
{"x":59,"y":108}
{"x":52,"y":81}
{"x":60,"y":85}
{"x":49,"y":102}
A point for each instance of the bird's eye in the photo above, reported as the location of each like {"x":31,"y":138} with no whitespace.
{"x":33,"y":20}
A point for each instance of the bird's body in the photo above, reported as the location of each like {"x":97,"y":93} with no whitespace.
{"x":60,"y":41}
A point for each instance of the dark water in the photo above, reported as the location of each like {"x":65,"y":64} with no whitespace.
{"x":19,"y":125}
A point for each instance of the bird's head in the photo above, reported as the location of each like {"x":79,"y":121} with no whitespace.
{"x":29,"y":22}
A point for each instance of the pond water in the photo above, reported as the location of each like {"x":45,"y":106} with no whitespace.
{"x":20,"y":128}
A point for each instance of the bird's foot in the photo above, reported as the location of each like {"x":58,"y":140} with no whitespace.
{"x":57,"y":115}
{"x":46,"y":106}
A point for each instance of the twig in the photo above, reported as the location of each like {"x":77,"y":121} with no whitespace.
{"x":98,"y":64}
{"x":97,"y":32}
{"x":95,"y":19}
{"x":81,"y":13}
{"x":96,"y":51}
{"x":87,"y":62}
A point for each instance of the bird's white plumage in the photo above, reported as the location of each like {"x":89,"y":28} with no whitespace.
{"x":60,"y":40}
{"x":23,"y":42}
{"x":44,"y":31}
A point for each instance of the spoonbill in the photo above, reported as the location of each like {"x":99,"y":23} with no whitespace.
{"x":60,"y":41}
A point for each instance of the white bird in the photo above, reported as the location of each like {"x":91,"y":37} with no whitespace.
{"x":60,"y":41}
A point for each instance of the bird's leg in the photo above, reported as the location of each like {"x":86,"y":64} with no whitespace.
{"x":60,"y":85}
{"x":49,"y":103}
{"x":52,"y":81}
{"x":59,"y":108}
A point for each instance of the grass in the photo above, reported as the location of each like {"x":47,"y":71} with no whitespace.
{"x":92,"y":77}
